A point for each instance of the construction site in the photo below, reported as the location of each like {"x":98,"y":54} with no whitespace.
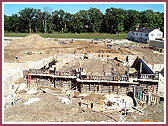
{"x":82,"y":80}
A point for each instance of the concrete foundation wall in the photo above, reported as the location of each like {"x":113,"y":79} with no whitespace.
{"x":161,"y":85}
{"x":158,"y":67}
{"x":42,"y":63}
{"x":14,"y":71}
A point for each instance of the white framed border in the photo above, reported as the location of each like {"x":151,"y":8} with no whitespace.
{"x":3,"y":3}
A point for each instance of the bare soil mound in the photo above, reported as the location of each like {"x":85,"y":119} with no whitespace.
{"x":31,"y":41}
{"x":96,"y":67}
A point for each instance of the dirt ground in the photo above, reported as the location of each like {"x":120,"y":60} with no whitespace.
{"x":97,"y":67}
{"x":50,"y":109}
{"x":49,"y":48}
{"x":155,"y":113}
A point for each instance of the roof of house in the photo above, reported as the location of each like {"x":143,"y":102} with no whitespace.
{"x":145,"y":30}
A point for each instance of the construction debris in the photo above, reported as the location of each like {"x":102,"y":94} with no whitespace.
{"x":82,"y":80}
{"x":31,"y":100}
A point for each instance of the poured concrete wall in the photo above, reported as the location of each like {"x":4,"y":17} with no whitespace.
{"x":158,"y":67}
{"x":161,"y":85}
{"x":42,"y":63}
{"x":14,"y":71}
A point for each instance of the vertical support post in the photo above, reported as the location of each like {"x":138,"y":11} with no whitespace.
{"x":134,"y":92}
{"x":52,"y":80}
{"x":76,"y":86}
{"x":54,"y":83}
{"x":142,"y":93}
{"x":138,"y":98}
{"x":71,"y":93}
{"x":158,"y":98}
{"x":125,"y":108}
{"x":149,"y":98}
{"x":48,"y":70}
{"x":69,"y":84}
{"x":117,"y":89}
{"x":54,"y":70}
{"x":49,"y":81}
{"x":30,"y":76}
{"x":84,"y":88}
{"x":28,"y":80}
{"x":155,"y":98}
{"x":13,"y":100}
{"x":99,"y":87}
{"x":109,"y":89}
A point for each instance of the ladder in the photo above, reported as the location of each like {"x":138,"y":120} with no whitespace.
{"x":29,"y":78}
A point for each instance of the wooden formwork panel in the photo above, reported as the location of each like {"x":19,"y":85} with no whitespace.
{"x":104,"y":88}
{"x":146,"y":87}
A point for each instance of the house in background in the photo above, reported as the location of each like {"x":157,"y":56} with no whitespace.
{"x":145,"y":35}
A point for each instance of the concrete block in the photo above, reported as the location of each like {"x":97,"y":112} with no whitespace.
{"x":98,"y":107}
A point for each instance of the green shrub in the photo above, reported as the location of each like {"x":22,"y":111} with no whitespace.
{"x":50,"y":31}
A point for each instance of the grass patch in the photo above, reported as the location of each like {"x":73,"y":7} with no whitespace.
{"x":15,"y":34}
{"x":73,"y":35}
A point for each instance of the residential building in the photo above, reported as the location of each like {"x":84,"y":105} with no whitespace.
{"x":145,"y":35}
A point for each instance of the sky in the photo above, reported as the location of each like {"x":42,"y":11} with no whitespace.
{"x":10,"y":9}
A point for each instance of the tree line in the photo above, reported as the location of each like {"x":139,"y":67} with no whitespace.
{"x":114,"y":20}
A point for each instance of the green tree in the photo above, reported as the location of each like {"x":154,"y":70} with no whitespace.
{"x":150,"y":19}
{"x":62,"y":20}
{"x":161,"y":24}
{"x":37,"y":22}
{"x":80,"y":21}
{"x":114,"y":20}
{"x":68,"y":20}
{"x":147,"y":18}
{"x":76,"y":24}
{"x":27,"y":16}
{"x":6,"y":23}
{"x":95,"y":19}
{"x":55,"y":20}
{"x":131,"y":19}
{"x":59,"y":20}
